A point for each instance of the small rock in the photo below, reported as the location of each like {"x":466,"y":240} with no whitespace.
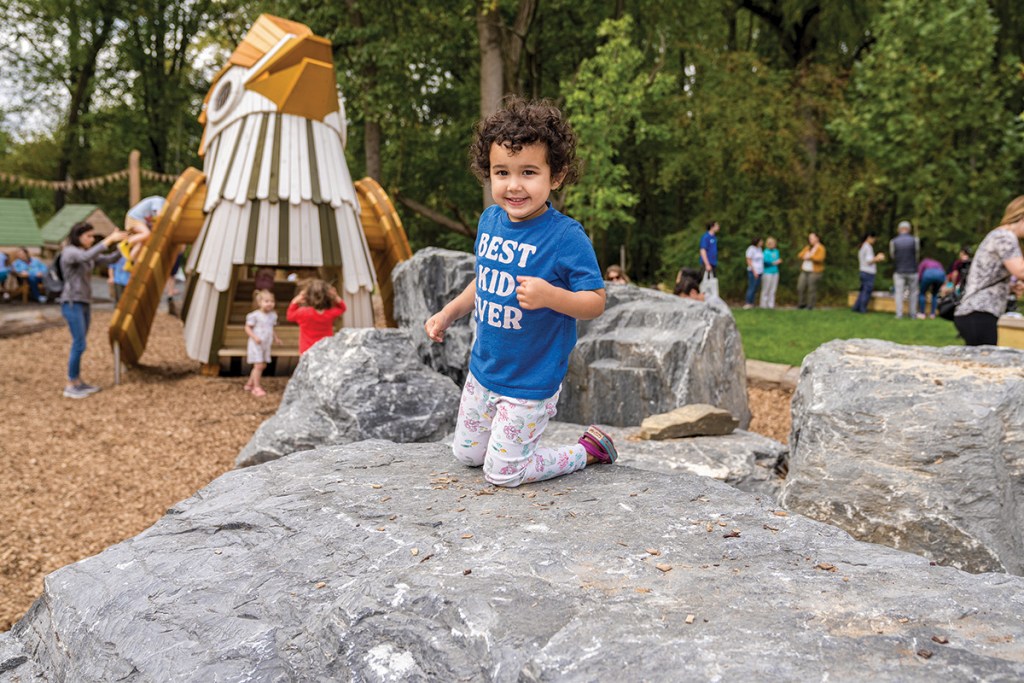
{"x":698,"y":419}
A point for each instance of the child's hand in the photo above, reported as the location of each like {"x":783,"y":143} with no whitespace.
{"x":257,"y":340}
{"x":533,"y":292}
{"x":436,"y":326}
{"x":300,"y":298}
{"x":277,"y":340}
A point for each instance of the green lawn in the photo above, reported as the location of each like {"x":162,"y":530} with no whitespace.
{"x":787,"y":335}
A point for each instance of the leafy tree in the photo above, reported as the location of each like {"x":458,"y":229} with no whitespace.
{"x":923,"y":124}
{"x":606,"y":101}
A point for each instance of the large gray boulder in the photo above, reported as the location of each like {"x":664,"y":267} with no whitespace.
{"x":423,"y":285}
{"x":746,"y":460}
{"x":650,"y":353}
{"x":359,"y":384}
{"x":914,"y":447}
{"x":383,"y":562}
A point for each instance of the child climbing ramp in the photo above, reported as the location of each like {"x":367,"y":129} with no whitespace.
{"x":536,"y":275}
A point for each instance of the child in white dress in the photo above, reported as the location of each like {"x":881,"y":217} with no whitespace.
{"x":259,"y":326}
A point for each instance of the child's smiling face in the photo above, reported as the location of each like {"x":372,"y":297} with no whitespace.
{"x":267,"y":304}
{"x":521,"y":181}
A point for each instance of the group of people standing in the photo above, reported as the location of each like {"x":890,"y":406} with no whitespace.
{"x":763,"y":260}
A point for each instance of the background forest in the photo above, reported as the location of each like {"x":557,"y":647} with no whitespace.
{"x":774,"y":117}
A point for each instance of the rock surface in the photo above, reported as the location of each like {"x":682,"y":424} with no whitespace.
{"x":696,"y":419}
{"x":650,"y":353}
{"x":742,"y":459}
{"x":423,"y":285}
{"x":359,"y":384}
{"x":913,"y":447}
{"x":378,"y":561}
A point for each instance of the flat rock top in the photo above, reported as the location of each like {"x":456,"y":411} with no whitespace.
{"x":383,"y":561}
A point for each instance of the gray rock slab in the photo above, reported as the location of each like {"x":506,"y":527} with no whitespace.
{"x":423,"y":285}
{"x":382,"y":562}
{"x":359,"y":384}
{"x":914,"y":447}
{"x":742,"y":459}
{"x":696,"y":419}
{"x":650,"y":353}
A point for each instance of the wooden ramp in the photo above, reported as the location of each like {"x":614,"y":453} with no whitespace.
{"x":385,"y":237}
{"x":177,"y":224}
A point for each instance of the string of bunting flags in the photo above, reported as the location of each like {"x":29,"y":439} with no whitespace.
{"x":72,"y":184}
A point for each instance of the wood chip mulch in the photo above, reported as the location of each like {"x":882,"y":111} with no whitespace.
{"x":81,"y":475}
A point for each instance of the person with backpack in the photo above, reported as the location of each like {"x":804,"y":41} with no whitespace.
{"x":74,"y":265}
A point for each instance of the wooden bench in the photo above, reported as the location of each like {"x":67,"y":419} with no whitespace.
{"x":1011,"y":332}
{"x":881,"y":302}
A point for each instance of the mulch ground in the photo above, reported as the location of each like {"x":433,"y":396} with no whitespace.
{"x":79,"y":476}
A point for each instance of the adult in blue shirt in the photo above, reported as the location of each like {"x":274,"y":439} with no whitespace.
{"x":709,"y":248}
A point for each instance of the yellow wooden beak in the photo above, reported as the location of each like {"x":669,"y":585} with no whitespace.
{"x":299,"y":78}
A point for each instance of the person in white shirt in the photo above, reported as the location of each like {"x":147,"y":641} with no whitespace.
{"x":755,"y":269}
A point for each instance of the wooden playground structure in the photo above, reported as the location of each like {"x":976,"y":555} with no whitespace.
{"x":274,"y":192}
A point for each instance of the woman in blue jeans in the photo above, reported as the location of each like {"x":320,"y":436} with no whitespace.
{"x":77,"y":260}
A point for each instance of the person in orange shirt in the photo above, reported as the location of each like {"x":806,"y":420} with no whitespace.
{"x":812,"y":267}
{"x":314,"y":310}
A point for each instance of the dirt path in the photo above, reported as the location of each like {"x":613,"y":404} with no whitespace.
{"x":79,"y":476}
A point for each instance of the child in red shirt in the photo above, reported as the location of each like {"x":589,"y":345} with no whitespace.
{"x":314,"y":310}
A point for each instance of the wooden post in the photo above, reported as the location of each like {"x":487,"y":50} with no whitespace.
{"x":134,"y":178}
{"x":117,"y":364}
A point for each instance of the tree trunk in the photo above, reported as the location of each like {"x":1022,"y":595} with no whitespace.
{"x":492,"y":70}
{"x":81,"y":99}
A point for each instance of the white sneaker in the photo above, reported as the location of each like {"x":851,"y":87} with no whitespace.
{"x":73,"y":391}
{"x":89,"y":389}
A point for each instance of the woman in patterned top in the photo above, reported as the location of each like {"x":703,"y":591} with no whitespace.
{"x":988,"y":285}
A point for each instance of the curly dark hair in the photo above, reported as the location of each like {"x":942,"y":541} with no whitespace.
{"x":520,"y":123}
{"x":318,"y":295}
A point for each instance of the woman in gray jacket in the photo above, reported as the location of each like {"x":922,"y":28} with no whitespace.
{"x":77,"y":261}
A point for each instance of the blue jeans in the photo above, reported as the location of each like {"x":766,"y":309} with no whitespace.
{"x":752,"y":282}
{"x":867,"y":284}
{"x":932,"y":280}
{"x":77,"y":315}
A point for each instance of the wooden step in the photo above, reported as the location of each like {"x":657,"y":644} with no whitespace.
{"x":236,"y":338}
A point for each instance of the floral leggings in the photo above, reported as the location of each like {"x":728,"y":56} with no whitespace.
{"x":501,"y":433}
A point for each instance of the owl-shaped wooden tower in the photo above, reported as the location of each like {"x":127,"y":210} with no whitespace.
{"x":278,"y":189}
{"x":275,"y":192}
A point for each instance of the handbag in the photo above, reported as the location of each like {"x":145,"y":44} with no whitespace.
{"x":945,"y":307}
{"x":709,"y":284}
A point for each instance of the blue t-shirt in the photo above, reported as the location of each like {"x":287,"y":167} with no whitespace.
{"x":709,"y":243}
{"x":520,"y":353}
{"x":770,"y":256}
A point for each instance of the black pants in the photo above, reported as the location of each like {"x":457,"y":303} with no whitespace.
{"x":978,"y":328}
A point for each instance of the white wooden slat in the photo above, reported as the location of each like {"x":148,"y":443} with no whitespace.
{"x":295,"y":235}
{"x":251,"y":163}
{"x":222,"y":278}
{"x":335,"y":161}
{"x":239,"y":163}
{"x":353,"y":255}
{"x":193,"y":254}
{"x":285,"y":163}
{"x":273,"y":233}
{"x":296,"y":153}
{"x":315,"y":246}
{"x":323,"y":173}
{"x":263,"y":188}
{"x":195,"y":324}
{"x":241,"y":237}
{"x":305,"y":174}
{"x":211,"y":155}
{"x":208,"y":259}
{"x":218,"y":174}
{"x":262,"y":233}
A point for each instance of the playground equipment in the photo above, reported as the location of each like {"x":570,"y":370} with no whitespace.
{"x":275,"y":191}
